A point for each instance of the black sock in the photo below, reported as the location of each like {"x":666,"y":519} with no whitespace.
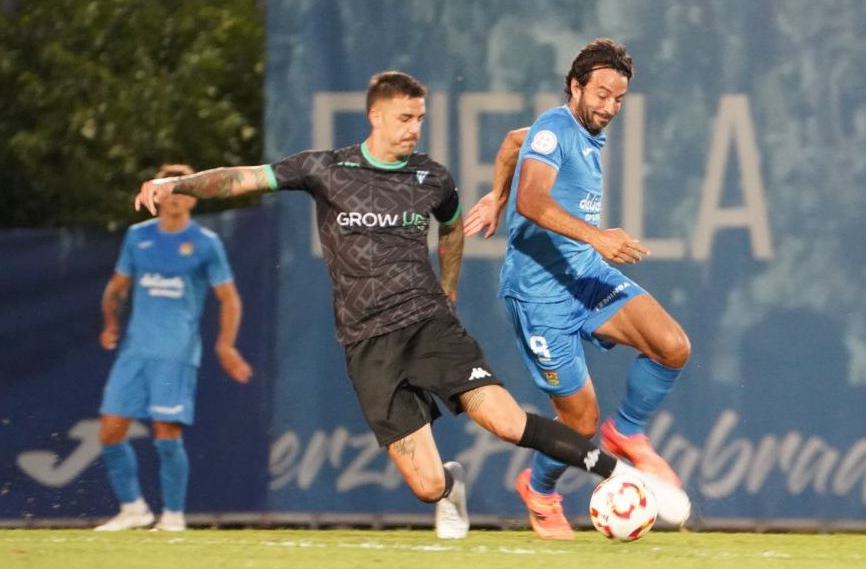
{"x":561,"y":443}
{"x":449,"y":483}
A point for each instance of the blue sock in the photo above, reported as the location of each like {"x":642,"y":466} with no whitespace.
{"x":648,"y":384}
{"x":545,"y":473}
{"x":122,"y":467}
{"x":173,"y":473}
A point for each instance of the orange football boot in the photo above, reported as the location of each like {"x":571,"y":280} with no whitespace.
{"x":638,"y":450}
{"x":545,"y":511}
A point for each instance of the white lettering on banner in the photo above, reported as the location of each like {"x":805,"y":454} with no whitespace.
{"x":733,"y":128}
{"x":50,"y":469}
{"x":724,"y":464}
{"x":733,"y":125}
{"x":290,"y":462}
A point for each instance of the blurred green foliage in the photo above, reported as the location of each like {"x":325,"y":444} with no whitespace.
{"x":95,"y":95}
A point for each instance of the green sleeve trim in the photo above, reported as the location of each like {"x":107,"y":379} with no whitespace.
{"x":272,"y":178}
{"x":455,"y":216}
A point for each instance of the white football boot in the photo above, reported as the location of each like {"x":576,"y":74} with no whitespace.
{"x":132,"y":515}
{"x":170,"y":521}
{"x":674,"y":504}
{"x":452,"y":518}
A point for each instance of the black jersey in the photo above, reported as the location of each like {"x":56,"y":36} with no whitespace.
{"x":373,"y":220}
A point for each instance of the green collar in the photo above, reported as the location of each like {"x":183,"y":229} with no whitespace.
{"x":378,"y":163}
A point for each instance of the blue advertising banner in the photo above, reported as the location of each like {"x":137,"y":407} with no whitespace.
{"x":737,"y":159}
{"x":53,"y":372}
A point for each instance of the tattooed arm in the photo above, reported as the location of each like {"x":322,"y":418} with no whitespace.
{"x":114,"y":300}
{"x":450,"y":256}
{"x":216,"y":183}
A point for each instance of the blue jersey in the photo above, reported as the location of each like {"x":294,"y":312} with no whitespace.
{"x":171,"y":274}
{"x":541,"y":265}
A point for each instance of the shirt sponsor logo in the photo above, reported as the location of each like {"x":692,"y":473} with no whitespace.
{"x":369,"y":219}
{"x":478,"y":373}
{"x":544,"y":142}
{"x":158,"y":285}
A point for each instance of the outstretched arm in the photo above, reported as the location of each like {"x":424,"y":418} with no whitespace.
{"x":230,"y":320}
{"x":114,"y":300}
{"x":488,"y":210}
{"x":216,"y":183}
{"x":450,"y":256}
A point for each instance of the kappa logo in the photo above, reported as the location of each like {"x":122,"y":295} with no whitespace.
{"x":478,"y":373}
{"x":591,"y":459}
{"x":421,"y":175}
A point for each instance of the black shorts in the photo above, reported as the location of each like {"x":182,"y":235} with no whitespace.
{"x":396,"y":375}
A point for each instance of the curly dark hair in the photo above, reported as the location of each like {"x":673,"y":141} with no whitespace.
{"x":600,"y":53}
{"x":389,"y":84}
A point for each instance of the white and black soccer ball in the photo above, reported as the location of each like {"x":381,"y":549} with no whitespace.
{"x":623,"y":508}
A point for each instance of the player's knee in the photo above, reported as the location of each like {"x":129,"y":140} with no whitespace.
{"x":675,"y":349}
{"x":585,"y":424}
{"x":109,"y":437}
{"x":588,"y":426}
{"x":507,"y":430}
{"x":429,"y":489}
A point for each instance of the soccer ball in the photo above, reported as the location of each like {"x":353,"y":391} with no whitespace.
{"x":623,"y":508}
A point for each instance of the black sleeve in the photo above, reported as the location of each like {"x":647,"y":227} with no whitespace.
{"x":449,"y":208}
{"x":299,"y":171}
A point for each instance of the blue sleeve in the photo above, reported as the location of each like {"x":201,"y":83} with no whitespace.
{"x":547,"y":140}
{"x":126,"y":262}
{"x":217,"y":268}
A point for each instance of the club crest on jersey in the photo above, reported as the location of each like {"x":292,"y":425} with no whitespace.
{"x":544,"y":142}
{"x":421,"y":175}
{"x":186,"y":249}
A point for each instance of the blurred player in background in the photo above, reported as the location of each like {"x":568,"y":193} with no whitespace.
{"x":169,"y":263}
{"x":396,"y":321}
{"x":559,"y":288}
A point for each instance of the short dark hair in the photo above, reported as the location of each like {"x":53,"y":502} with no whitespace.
{"x":389,"y":84}
{"x":600,"y":53}
{"x":172,"y":170}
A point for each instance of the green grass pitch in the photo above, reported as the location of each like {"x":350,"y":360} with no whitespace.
{"x":414,"y":549}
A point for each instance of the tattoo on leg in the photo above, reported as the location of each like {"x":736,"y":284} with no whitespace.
{"x":472,"y":400}
{"x":405,"y":447}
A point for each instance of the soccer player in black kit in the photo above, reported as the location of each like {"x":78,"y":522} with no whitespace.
{"x":403,"y":342}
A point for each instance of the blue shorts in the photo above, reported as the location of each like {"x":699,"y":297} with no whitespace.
{"x":144,"y":388}
{"x":549,"y":334}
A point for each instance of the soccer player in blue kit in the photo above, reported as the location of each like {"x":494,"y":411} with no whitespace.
{"x":559,"y":287}
{"x":395,"y":318}
{"x":169,"y":263}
